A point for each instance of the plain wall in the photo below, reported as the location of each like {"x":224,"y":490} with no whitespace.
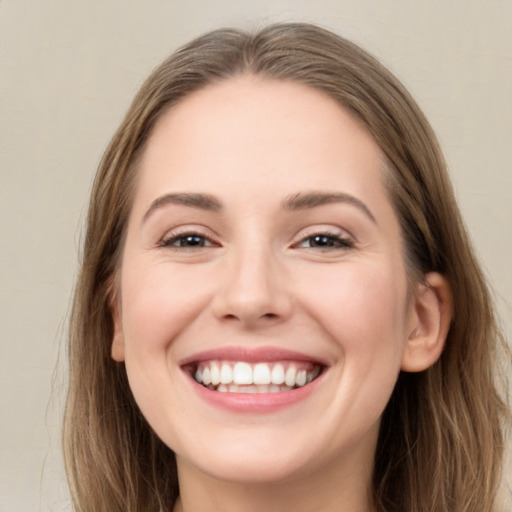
{"x":68,"y":70}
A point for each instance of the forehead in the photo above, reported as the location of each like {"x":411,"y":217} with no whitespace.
{"x":248,"y":128}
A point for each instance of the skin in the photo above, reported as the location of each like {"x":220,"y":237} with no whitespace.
{"x":262,"y":280}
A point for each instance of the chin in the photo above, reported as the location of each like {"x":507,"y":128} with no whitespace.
{"x":243,"y":469}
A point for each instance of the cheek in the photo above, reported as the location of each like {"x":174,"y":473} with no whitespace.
{"x":363,"y":311}
{"x":365,"y":316}
{"x":369,"y":298}
{"x":158,"y":303}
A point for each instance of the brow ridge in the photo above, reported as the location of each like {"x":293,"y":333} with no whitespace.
{"x":307,"y":200}
{"x":299,"y":201}
{"x":191,"y":199}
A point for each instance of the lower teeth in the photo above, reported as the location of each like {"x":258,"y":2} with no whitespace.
{"x":259,"y":388}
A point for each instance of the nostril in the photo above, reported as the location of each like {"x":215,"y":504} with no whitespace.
{"x":270,"y":316}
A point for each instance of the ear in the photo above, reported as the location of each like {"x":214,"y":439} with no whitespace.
{"x":429,"y":323}
{"x":117,"y":348}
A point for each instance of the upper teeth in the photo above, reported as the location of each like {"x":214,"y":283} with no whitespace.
{"x":213,"y":373}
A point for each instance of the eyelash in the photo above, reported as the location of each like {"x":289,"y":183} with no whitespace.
{"x":171,"y":240}
{"x":330,"y":241}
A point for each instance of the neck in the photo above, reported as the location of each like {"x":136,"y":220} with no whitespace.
{"x":335,"y":489}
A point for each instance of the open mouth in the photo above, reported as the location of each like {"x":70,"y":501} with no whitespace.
{"x":260,"y":377}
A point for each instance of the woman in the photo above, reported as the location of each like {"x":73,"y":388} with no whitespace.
{"x":279,"y":308}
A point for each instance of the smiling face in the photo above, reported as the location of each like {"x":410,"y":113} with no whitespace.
{"x":262,"y":309}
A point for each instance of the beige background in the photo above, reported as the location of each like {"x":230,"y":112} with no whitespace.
{"x":68,"y":72}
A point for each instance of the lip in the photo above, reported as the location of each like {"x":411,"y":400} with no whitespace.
{"x":251,"y":355}
{"x":256,"y":403}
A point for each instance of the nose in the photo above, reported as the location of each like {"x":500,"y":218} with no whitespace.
{"x":253,"y":291}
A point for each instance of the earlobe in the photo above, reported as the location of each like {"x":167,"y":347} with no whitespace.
{"x":117,"y":348}
{"x":431,"y":315}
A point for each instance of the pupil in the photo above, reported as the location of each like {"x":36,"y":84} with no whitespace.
{"x":322,"y":240}
{"x":191,"y":240}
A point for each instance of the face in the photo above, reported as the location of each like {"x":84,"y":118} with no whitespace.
{"x":262,"y":307}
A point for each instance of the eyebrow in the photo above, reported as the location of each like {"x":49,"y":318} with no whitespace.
{"x":299,"y":201}
{"x":193,"y":200}
{"x":306,"y":200}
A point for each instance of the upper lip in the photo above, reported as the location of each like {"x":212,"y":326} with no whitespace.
{"x":251,"y":354}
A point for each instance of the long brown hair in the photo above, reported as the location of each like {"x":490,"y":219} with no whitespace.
{"x":441,"y":441}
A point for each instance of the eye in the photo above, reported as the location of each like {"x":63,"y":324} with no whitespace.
{"x":325,"y":241}
{"x":189,"y":240}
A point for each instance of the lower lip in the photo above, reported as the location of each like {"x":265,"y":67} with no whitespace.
{"x":254,"y":402}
